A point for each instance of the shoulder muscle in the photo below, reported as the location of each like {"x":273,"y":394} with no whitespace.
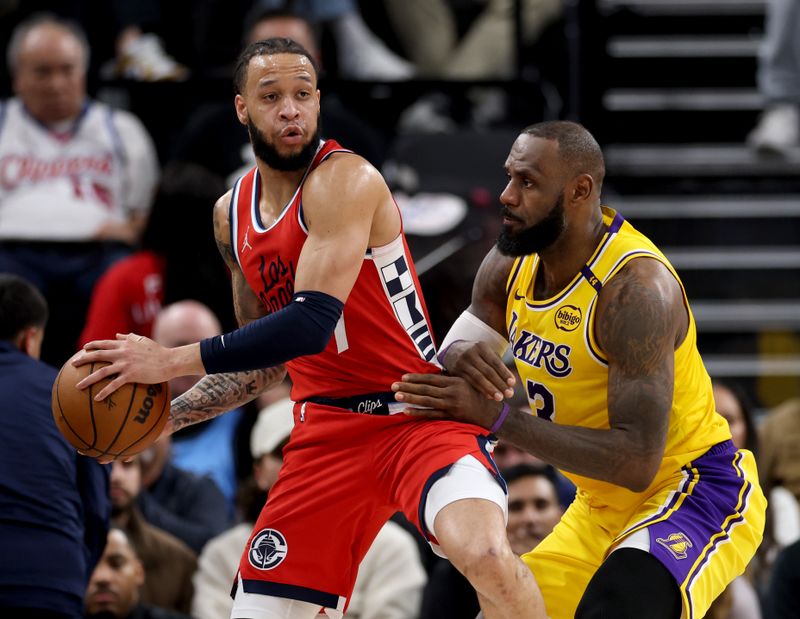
{"x":641,"y":315}
{"x":345,"y":183}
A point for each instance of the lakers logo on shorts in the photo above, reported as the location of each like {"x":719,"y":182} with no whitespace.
{"x":677,"y":544}
{"x":267,"y":550}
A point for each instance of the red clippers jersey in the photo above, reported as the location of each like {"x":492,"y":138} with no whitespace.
{"x":384,"y":331}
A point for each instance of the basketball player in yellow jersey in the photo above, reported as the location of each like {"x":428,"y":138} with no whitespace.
{"x":668,"y":511}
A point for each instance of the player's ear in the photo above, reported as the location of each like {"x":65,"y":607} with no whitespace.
{"x":241,"y":109}
{"x":29,"y":341}
{"x":581,"y":188}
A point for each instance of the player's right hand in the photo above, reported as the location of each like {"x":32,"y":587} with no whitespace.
{"x":481,"y":367}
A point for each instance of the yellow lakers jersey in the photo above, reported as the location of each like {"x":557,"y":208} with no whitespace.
{"x":565,"y":374}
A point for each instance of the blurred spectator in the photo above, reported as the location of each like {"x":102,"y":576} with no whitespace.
{"x":783,"y":596}
{"x":76,"y":177}
{"x":54,"y":506}
{"x":390,"y":578}
{"x":779,"y":470}
{"x":533,"y":511}
{"x":113,"y":591}
{"x":215,"y":139}
{"x":507,"y":456}
{"x":779,"y":458}
{"x":204,"y":448}
{"x":360,"y":54}
{"x":168,"y":563}
{"x":779,"y":79}
{"x":428,"y":30}
{"x":733,"y":404}
{"x":177,"y":259}
{"x":739,"y":600}
{"x":190,"y":507}
{"x":140,"y":53}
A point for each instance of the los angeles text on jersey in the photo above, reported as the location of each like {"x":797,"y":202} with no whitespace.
{"x":537,"y":351}
{"x":277,"y":283}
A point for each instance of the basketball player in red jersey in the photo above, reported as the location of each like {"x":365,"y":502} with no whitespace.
{"x":323,"y":281}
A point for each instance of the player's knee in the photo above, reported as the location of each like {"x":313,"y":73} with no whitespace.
{"x":484,"y":560}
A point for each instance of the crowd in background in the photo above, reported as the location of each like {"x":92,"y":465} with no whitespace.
{"x":109,"y":218}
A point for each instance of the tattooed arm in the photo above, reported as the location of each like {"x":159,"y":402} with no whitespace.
{"x":641,"y":319}
{"x":217,"y":393}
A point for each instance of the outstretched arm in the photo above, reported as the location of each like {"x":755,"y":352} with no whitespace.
{"x":340,"y":204}
{"x":641,"y":320}
{"x":215,"y":394}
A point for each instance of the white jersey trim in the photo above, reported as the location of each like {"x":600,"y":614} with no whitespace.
{"x":233,"y":217}
{"x":255,"y":216}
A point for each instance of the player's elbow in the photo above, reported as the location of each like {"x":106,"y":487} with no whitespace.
{"x":315,"y":341}
{"x":640,"y":473}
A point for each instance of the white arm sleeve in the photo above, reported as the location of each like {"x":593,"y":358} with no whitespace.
{"x":470,"y":328}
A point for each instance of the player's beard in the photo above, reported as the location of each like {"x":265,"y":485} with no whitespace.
{"x":538,"y":237}
{"x":267,"y":152}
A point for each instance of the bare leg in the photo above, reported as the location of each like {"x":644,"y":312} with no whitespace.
{"x":473,"y":535}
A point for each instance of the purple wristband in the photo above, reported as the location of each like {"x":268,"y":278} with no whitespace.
{"x":443,"y":353}
{"x":500,"y":419}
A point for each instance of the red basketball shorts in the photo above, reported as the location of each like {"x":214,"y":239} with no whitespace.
{"x":344,"y":474}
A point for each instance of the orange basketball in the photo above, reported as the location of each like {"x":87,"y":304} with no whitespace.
{"x":124,"y":424}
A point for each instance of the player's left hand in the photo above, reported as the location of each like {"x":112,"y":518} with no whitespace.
{"x":438,"y":396}
{"x":132,"y":359}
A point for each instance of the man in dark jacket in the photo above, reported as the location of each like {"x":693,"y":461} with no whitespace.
{"x":54,"y":505}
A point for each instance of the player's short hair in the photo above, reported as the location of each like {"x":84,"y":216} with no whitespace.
{"x":576,"y":146}
{"x":267,"y":47}
{"x":519,"y":471}
{"x":34,"y":21}
{"x":21,"y":306}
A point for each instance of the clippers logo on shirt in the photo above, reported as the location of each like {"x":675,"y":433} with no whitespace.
{"x":73,"y":182}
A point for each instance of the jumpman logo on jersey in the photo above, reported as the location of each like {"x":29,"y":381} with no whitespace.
{"x":246,"y":243}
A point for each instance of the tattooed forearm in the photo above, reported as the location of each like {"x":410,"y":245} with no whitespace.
{"x":217,"y":393}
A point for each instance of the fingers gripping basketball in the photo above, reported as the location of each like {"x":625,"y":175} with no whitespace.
{"x":124,"y":424}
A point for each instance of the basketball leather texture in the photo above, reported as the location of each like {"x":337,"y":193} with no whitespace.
{"x":124,"y":424}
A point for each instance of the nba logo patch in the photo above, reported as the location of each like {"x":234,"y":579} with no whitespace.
{"x":267,"y":550}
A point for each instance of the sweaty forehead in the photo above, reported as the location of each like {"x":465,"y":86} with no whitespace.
{"x":533,"y":153}
{"x":277,"y":66}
